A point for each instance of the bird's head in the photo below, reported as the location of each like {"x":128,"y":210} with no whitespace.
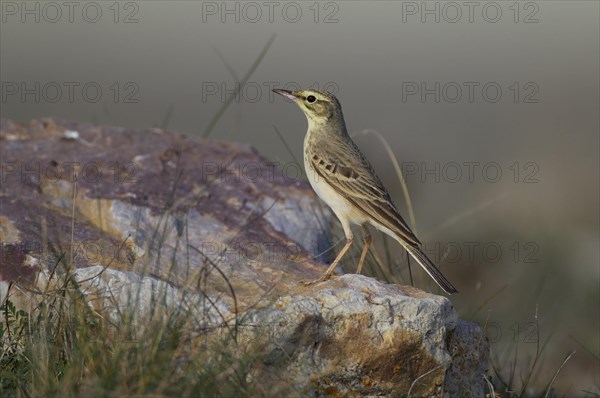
{"x":320,"y":107}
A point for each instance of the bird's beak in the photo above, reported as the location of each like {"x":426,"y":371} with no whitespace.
{"x":286,"y":93}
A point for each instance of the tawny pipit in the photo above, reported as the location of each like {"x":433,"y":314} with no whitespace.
{"x":344,"y":179}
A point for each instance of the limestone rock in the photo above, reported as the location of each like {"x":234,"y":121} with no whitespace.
{"x":151,"y":213}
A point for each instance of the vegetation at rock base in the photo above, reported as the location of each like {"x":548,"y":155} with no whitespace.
{"x":63,"y":347}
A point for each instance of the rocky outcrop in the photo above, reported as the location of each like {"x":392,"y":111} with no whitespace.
{"x":218,"y":229}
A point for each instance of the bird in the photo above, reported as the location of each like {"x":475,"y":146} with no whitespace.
{"x":343,"y":178}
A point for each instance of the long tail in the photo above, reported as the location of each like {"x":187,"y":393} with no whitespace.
{"x":428,"y":266}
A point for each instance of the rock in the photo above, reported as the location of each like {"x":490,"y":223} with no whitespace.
{"x":218,"y":230}
{"x":356,"y":336}
{"x":470,"y":356}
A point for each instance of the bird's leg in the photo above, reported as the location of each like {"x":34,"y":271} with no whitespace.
{"x":334,"y":264}
{"x":365,"y":250}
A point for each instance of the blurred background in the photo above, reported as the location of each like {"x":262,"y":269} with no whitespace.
{"x":491,"y":108}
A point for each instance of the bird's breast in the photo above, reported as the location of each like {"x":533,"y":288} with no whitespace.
{"x":338,"y":203}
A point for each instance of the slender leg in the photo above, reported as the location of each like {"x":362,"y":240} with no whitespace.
{"x":365,"y":250}
{"x":334,"y":264}
{"x":349,"y":239}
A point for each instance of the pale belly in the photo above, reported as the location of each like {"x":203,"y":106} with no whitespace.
{"x":343,"y":209}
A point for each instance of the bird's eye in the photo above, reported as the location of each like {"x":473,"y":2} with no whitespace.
{"x":311,"y":99}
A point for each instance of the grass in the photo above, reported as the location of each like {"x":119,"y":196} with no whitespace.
{"x":61,"y":346}
{"x":71,"y":342}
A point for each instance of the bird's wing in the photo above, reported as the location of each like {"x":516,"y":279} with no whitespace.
{"x":340,"y":163}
